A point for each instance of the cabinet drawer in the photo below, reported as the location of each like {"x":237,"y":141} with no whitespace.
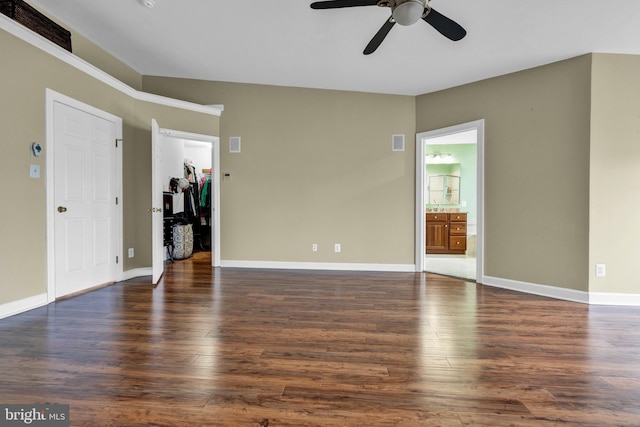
{"x":436,"y":217}
{"x":458,"y":228}
{"x":462,"y":217}
{"x":457,"y":243}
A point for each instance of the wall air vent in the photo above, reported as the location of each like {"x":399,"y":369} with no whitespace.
{"x":234,"y":144}
{"x":397,"y":143}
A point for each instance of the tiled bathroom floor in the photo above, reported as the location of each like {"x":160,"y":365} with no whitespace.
{"x":462,"y":266}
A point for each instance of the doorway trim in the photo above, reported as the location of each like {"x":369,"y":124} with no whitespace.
{"x":421,"y":138}
{"x":51,"y":97}
{"x":215,"y":177}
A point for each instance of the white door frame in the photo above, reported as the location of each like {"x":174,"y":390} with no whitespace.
{"x":420,"y":245}
{"x":51,"y":98}
{"x":215,"y":184}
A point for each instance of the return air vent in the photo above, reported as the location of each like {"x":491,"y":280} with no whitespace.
{"x":397,"y":143}
{"x":234,"y":144}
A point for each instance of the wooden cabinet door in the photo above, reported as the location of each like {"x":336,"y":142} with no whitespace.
{"x":437,"y":236}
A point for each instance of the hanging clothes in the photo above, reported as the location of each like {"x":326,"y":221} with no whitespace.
{"x":190,"y":171}
{"x":205,"y":195}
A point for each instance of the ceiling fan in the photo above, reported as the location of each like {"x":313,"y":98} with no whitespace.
{"x":403,"y":12}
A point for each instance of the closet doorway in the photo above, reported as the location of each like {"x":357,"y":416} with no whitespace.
{"x":171,"y":151}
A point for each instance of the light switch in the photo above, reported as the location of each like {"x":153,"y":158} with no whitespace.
{"x":34,"y":171}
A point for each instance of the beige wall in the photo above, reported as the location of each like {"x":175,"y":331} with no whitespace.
{"x":536,"y":168}
{"x":615,"y":173}
{"x":98,"y":57}
{"x":316,"y":167}
{"x":23,"y":81}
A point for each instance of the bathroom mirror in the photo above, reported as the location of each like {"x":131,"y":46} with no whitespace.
{"x":443,"y":186}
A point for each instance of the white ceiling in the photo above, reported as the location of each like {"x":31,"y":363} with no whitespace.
{"x":287,"y":43}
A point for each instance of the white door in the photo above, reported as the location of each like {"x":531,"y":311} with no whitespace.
{"x":157,"y":239}
{"x":84,"y":200}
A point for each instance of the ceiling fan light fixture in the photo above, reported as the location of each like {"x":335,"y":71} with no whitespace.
{"x":408,"y":12}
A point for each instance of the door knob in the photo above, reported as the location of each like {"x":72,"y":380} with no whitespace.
{"x":62,"y":209}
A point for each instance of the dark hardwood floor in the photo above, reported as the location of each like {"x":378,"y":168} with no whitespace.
{"x":234,"y":347}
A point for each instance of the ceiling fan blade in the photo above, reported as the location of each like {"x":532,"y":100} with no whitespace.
{"x":379,"y":37}
{"x":445,"y":26}
{"x":334,"y":4}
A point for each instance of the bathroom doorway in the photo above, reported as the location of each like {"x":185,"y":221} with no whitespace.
{"x":449,"y":186}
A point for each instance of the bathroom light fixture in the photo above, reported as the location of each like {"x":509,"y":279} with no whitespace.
{"x":149,"y":3}
{"x":408,"y":12}
{"x":439,"y":158}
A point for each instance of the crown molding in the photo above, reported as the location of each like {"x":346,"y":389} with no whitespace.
{"x":36,"y":40}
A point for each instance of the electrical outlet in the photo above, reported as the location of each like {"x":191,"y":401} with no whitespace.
{"x":130,"y":252}
{"x":314,"y":247}
{"x":601,"y":270}
{"x":337,"y":247}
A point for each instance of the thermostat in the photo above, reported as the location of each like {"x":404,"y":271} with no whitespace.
{"x":36,"y":149}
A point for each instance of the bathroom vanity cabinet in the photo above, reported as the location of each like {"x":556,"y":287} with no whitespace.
{"x":446,"y":233}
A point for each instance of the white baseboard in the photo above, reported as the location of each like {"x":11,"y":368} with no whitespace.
{"x":399,"y":268}
{"x":601,"y":298}
{"x":136,"y":272}
{"x":20,"y":306}
{"x":542,"y":290}
{"x":16,"y":307}
{"x":592,"y":298}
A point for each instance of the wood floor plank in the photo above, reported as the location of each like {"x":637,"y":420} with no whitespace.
{"x":269,"y":348}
